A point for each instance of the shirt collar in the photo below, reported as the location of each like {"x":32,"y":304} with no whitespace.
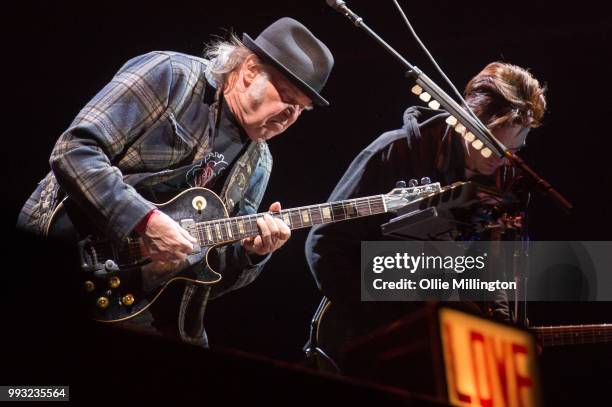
{"x":229,"y":124}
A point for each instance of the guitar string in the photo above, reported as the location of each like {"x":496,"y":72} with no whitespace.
{"x":200,"y":226}
{"x":358,"y":203}
{"x":375,"y":205}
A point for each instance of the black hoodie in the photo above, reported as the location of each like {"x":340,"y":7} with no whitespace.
{"x":424,"y":147}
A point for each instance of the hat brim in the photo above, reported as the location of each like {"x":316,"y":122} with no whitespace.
{"x":316,"y":98}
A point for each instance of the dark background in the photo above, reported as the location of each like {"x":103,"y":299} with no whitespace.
{"x":59,"y":56}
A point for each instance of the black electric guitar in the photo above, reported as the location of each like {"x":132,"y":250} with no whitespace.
{"x":115,"y":276}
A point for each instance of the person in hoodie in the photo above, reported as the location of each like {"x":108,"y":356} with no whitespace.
{"x":506,"y":98}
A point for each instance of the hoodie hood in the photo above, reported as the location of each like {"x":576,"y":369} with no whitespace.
{"x":423,"y":115}
{"x":426,"y":130}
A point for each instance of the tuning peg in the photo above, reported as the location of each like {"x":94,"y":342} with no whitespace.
{"x":413,"y":183}
{"x":400,"y":184}
{"x":425,"y":181}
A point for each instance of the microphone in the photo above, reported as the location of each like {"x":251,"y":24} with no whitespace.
{"x":340,"y":7}
{"x":336,"y":4}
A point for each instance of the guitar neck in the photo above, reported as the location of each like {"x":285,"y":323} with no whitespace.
{"x":231,"y":229}
{"x":573,"y":334}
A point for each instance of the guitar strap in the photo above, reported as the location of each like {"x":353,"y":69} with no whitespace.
{"x":191,"y":312}
{"x":237,"y":182}
{"x":195,"y":296}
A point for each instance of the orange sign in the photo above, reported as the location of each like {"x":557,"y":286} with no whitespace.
{"x":487,"y":363}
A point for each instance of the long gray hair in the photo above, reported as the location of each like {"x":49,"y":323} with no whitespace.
{"x":225,"y":56}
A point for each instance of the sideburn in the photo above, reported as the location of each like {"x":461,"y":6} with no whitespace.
{"x":257,"y":88}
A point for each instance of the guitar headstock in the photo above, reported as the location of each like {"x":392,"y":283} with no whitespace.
{"x":402,"y":195}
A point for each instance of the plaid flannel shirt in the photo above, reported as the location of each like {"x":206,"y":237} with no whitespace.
{"x":150,"y":117}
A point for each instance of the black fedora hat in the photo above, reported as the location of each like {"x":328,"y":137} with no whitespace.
{"x":292,"y":49}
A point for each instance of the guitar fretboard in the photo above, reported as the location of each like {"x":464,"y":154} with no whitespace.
{"x":574,"y":334}
{"x":231,"y":229}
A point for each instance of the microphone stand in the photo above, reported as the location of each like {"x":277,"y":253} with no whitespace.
{"x":470,"y":121}
{"x":480,"y":131}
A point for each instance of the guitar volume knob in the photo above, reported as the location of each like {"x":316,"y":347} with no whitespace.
{"x":102,"y":303}
{"x":114,"y":282}
{"x":89,"y":286}
{"x":127,"y":299}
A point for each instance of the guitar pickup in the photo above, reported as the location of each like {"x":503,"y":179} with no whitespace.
{"x":190,"y":226}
